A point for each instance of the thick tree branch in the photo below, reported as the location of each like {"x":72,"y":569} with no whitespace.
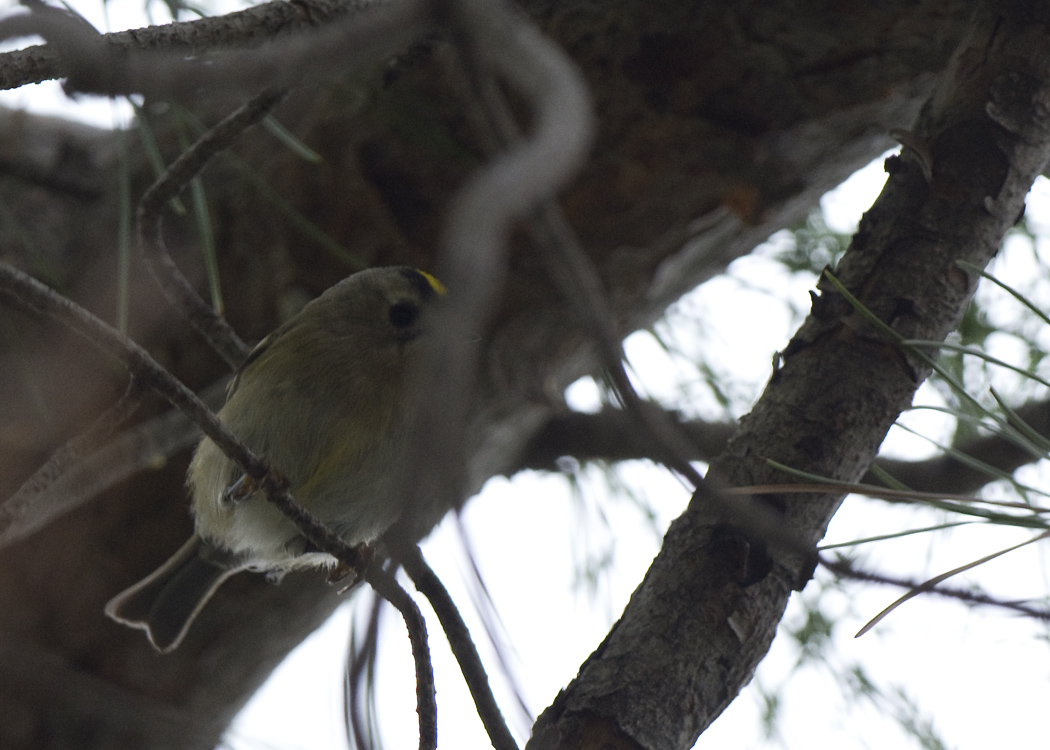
{"x":609,"y":435}
{"x":37,"y":671}
{"x":704,"y":616}
{"x":365,"y":38}
{"x":245,"y":28}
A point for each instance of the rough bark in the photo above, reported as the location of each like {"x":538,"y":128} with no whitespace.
{"x":704,"y":616}
{"x":694,"y":167}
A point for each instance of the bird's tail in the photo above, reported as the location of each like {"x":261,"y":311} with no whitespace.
{"x":165,"y":602}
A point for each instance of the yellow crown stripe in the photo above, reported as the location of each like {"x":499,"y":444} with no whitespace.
{"x":436,"y":285}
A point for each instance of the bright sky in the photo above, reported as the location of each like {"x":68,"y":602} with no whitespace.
{"x":980,"y":675}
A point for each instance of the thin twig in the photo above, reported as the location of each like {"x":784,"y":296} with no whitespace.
{"x":222,"y":338}
{"x":842,"y":567}
{"x":30,"y":294}
{"x":426,"y":695}
{"x":933,"y":582}
{"x":428,"y":583}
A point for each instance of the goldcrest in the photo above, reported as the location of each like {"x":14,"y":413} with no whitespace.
{"x":324,"y":398}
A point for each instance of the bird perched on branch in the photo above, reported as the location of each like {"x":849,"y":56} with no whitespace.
{"x":324,"y":398}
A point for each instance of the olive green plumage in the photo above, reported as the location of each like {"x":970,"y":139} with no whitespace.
{"x":324,"y":398}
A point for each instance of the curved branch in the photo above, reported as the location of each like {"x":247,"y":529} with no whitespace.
{"x":222,"y":338}
{"x":426,"y":695}
{"x":428,"y":583}
{"x":474,"y":247}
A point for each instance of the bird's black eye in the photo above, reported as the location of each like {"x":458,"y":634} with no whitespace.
{"x":403,"y":314}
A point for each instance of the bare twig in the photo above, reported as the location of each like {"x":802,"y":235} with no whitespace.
{"x":932,"y":583}
{"x":369,"y":35}
{"x":30,"y":294}
{"x":222,"y":338}
{"x":428,"y":583}
{"x":842,"y":567}
{"x":426,"y":697}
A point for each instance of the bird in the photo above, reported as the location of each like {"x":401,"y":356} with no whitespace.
{"x":326,"y":398}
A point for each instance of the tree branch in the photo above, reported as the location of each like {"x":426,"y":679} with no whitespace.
{"x":610,"y":435}
{"x":370,"y":35}
{"x":843,"y":568}
{"x":36,"y":671}
{"x":428,"y":583}
{"x":697,"y":626}
{"x":474,"y":246}
{"x":244,"y":28}
{"x":26,"y":292}
{"x":426,"y":696}
{"x":220,"y":336}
